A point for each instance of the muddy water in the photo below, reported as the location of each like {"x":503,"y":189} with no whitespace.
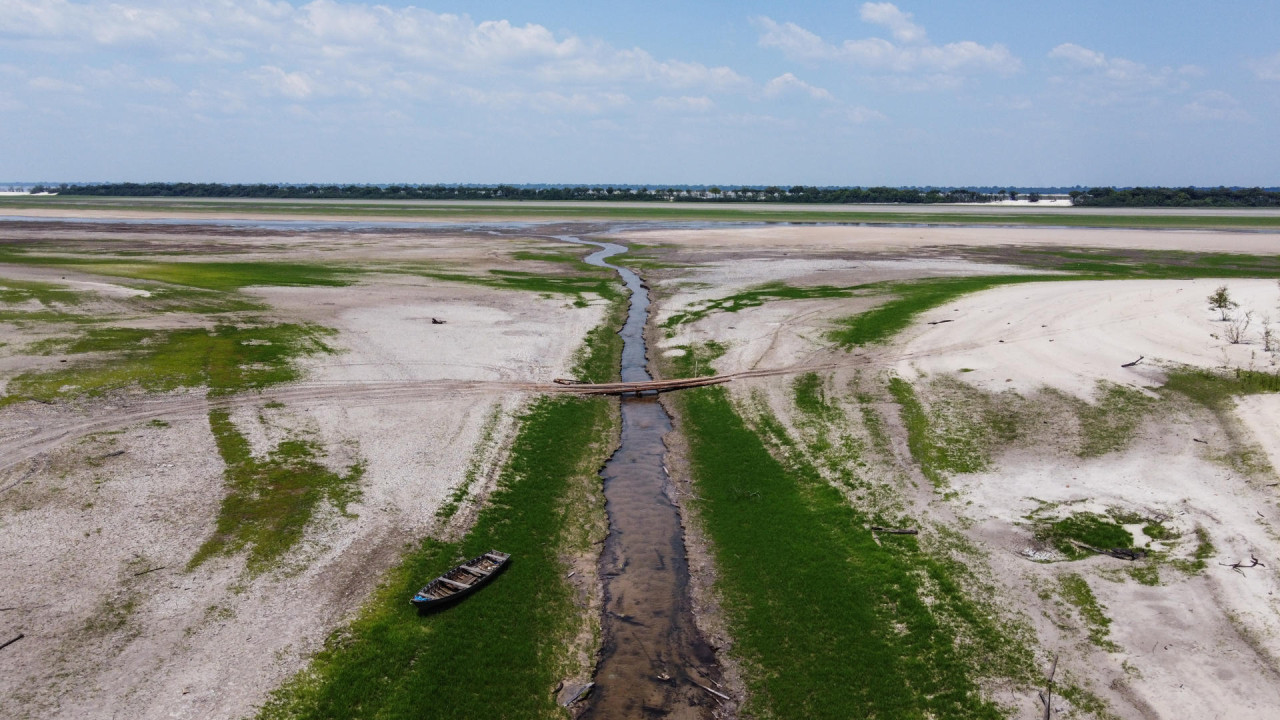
{"x":652,"y":653}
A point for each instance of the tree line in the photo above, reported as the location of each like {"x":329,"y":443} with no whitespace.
{"x":794,"y":194}
{"x":1176,"y":197}
{"x":1093,"y":197}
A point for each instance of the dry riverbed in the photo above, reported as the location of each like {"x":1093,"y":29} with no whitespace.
{"x":106,"y":497}
{"x":97,"y":530}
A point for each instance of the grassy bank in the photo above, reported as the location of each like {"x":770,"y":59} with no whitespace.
{"x":828,"y":623}
{"x":496,"y":211}
{"x":500,"y":653}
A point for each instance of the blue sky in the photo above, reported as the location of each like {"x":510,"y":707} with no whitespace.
{"x":819,"y":93}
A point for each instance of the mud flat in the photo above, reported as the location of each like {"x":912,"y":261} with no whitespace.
{"x":97,"y":532}
{"x":1013,"y":420}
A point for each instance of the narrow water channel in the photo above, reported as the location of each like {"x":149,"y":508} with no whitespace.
{"x":653,"y":658}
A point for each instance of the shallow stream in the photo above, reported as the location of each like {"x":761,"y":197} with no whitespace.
{"x":653,"y":657}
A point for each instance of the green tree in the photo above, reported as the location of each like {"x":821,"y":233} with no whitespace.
{"x":1221,"y":301}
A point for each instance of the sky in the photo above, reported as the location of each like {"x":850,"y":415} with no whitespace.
{"x":657,"y":92}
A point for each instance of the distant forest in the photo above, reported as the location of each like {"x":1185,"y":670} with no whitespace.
{"x":1177,"y":197}
{"x":1092,"y":197}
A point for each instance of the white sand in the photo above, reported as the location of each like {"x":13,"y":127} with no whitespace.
{"x":835,"y":238}
{"x":212,"y":643}
{"x":1070,"y":335}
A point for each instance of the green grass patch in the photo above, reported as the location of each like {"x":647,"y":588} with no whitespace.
{"x":219,"y":275}
{"x":754,"y":297}
{"x":271,"y":501}
{"x":946,"y":440}
{"x":598,"y":359}
{"x":912,"y":298}
{"x":1075,"y":590}
{"x":393,"y":663}
{"x":227,"y":359}
{"x":21,"y":291}
{"x":572,"y":285}
{"x":696,"y":360}
{"x":498,"y":653}
{"x":1199,"y":559}
{"x":475,"y":466}
{"x":657,"y":211}
{"x":1214,"y":389}
{"x":1109,"y":424}
{"x":1153,"y":264}
{"x":828,"y":623}
{"x":1092,"y":529}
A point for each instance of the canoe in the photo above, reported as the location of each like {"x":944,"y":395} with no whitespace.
{"x":462,"y":580}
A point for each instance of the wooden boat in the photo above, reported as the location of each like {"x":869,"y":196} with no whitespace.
{"x":462,"y":580}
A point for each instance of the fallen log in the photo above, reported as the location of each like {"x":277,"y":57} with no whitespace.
{"x":1240,"y":567}
{"x":894,"y":531}
{"x":12,"y":641}
{"x":1129,"y":554}
{"x":1135,"y":362}
{"x":1047,"y":696}
{"x":713,"y":692}
{"x":939,"y":322}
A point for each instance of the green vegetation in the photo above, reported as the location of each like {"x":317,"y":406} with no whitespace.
{"x":1075,"y":590}
{"x":1130,"y":263}
{"x":830,"y":624}
{"x":547,"y":502}
{"x":1214,"y":389}
{"x":598,"y":361}
{"x":754,"y":297}
{"x":227,"y":359}
{"x":948,"y":438}
{"x":479,"y":457}
{"x":1089,"y":528}
{"x":215,"y":275}
{"x":271,"y":501}
{"x":1110,"y":423}
{"x":667,"y":212}
{"x":47,"y":294}
{"x":392,"y":663}
{"x":573,"y":285}
{"x":1199,"y":557}
{"x":912,"y":298}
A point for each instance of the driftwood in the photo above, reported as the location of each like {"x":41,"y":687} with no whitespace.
{"x":894,"y":531}
{"x":12,"y":641}
{"x":713,"y":692}
{"x":1135,"y":362}
{"x":1240,"y":567}
{"x":1118,"y":553}
{"x":1046,"y":697}
{"x":569,"y":381}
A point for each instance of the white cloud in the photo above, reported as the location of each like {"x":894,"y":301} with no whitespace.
{"x":685,"y":103}
{"x":1079,"y":56}
{"x":888,"y":15}
{"x":787,"y":83}
{"x":1266,"y":68}
{"x":857,"y":115}
{"x":1094,"y":78}
{"x":45,"y":83}
{"x":293,"y":85}
{"x":912,"y":54}
{"x":348,"y":37}
{"x":1215,"y":106}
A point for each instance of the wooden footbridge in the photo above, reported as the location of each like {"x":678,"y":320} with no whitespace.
{"x":659,"y":386}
